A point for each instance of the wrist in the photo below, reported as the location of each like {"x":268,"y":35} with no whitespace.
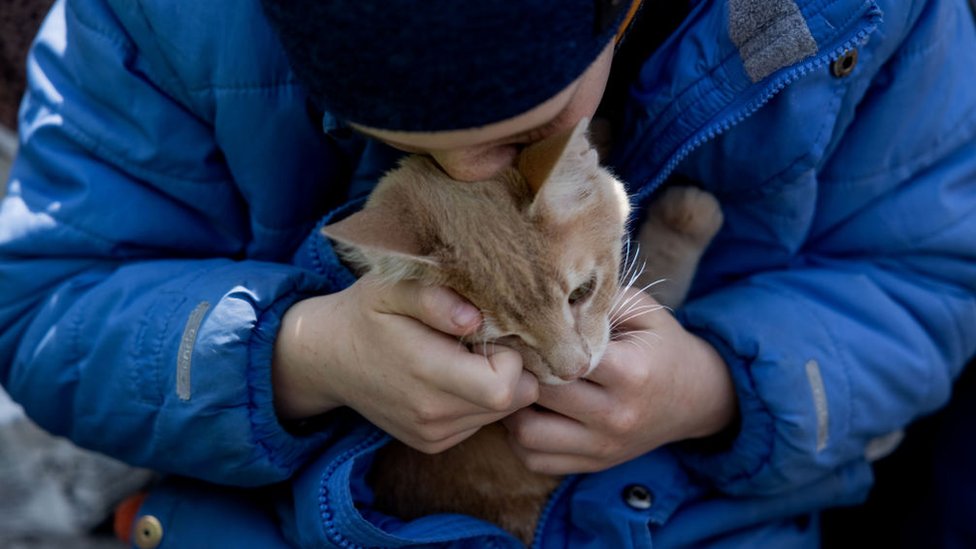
{"x":714,"y":391}
{"x":300,"y":359}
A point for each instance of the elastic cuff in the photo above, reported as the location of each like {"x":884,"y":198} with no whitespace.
{"x":283,"y":448}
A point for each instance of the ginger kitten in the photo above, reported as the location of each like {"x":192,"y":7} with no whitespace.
{"x":538,"y":250}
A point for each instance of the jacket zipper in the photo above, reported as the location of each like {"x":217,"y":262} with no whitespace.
{"x":771,"y":90}
{"x":711,"y":132}
{"x":540,"y":526}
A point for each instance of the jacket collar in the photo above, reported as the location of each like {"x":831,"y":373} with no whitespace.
{"x":726,"y":60}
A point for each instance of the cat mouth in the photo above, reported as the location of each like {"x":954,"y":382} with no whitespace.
{"x":546,"y":373}
{"x":550,"y":379}
{"x":535,"y":362}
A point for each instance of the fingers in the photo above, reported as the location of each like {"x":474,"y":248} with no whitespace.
{"x":580,"y":400}
{"x":621,"y":363}
{"x":434,"y":446}
{"x":558,"y":464}
{"x":553,"y":444}
{"x":436,"y":306}
{"x":494,"y":380}
{"x":438,"y":426}
{"x":451,"y":422}
{"x":412,"y":376}
{"x":491,"y":377}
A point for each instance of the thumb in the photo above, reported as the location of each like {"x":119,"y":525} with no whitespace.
{"x":436,"y":306}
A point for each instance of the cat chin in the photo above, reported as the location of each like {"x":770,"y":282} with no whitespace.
{"x":549,"y":379}
{"x":592,"y":367}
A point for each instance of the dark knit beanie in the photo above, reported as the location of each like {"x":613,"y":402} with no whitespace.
{"x":430,"y":65}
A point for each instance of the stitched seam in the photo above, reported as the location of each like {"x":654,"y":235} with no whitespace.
{"x":204,"y":90}
{"x":814,"y":8}
{"x":153,"y":360}
{"x":68,"y":226}
{"x":206,"y":87}
{"x":176,"y":82}
{"x":851,"y":17}
{"x":926,"y":46}
{"x":764,"y":187}
{"x":908,"y":273}
{"x":817,"y":13}
{"x":693,"y":102}
{"x":94,"y":146}
{"x":116,"y":39}
{"x":766,"y":460}
{"x":703,"y":96}
{"x":245,"y":88}
{"x":844,"y":376}
{"x":76,"y":354}
{"x":131,"y":51}
{"x":137,"y":359}
{"x":921,"y":161}
{"x":111,"y":35}
{"x":156,"y":353}
{"x":731,"y":57}
{"x":835,"y":351}
{"x":723,"y":65}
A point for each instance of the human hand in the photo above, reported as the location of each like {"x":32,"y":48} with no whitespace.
{"x":657,"y":383}
{"x":391,"y":352}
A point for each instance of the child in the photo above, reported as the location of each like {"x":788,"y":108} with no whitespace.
{"x":168,"y":300}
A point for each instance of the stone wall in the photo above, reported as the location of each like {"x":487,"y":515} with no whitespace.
{"x":18,"y":25}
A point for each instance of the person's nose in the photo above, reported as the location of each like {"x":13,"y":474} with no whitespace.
{"x":477,"y":163}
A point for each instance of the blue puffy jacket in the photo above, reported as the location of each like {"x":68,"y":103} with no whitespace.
{"x":158,"y":224}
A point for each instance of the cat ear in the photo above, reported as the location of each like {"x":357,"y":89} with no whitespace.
{"x":556,"y":169}
{"x":373,"y":234}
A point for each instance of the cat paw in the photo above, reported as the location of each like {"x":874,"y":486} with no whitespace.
{"x":687,"y":211}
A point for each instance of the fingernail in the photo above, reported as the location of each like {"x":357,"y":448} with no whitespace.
{"x":465,"y":315}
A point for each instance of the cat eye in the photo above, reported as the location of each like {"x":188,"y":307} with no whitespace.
{"x":582,"y":291}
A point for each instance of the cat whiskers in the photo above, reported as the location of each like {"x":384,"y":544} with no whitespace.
{"x":630,"y":308}
{"x":629,"y":275}
{"x":640,"y":343}
{"x":634,"y":311}
{"x":487,"y":327}
{"x":631,"y":271}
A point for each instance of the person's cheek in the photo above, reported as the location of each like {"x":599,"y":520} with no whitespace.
{"x":476,"y":164}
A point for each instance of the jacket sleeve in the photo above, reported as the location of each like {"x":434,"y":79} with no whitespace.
{"x":875,"y":317}
{"x":134,"y":318}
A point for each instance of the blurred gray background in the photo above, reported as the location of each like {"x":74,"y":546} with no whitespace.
{"x":54,"y":495}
